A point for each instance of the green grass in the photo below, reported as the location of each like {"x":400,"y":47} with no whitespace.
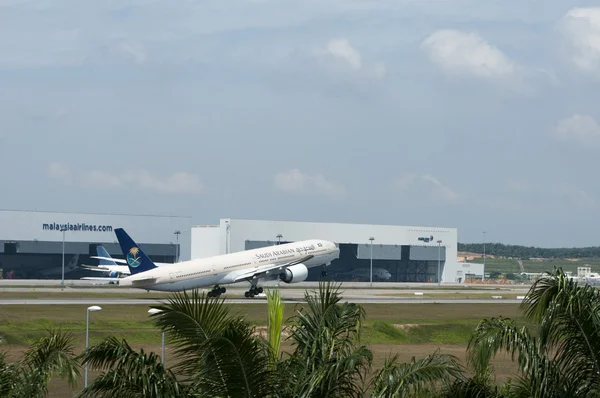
{"x":506,"y":265}
{"x":437,"y":323}
{"x":456,"y":295}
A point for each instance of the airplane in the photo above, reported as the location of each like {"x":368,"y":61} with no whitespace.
{"x":379,"y":273}
{"x":57,"y":271}
{"x":109,"y":265}
{"x":288,"y":262}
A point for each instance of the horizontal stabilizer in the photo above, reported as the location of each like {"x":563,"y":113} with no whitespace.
{"x":103,"y":279}
{"x":143,"y":282}
{"x":114,"y":260}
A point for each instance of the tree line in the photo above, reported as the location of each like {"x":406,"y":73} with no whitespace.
{"x":220,"y":355}
{"x":525,"y":252}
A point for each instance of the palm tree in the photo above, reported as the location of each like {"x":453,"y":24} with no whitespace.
{"x":275,"y":307}
{"x":129,"y":373}
{"x":51,"y":355}
{"x":562,"y":357}
{"x":219,"y":356}
{"x":328,"y":360}
{"x":418,"y":378}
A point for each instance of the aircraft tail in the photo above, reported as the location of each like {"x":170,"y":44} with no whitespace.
{"x":137,"y":261}
{"x":101,"y":251}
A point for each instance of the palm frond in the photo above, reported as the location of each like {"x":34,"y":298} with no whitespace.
{"x":397,"y":379}
{"x":327,"y":360}
{"x":496,"y":334}
{"x":568,"y":315}
{"x":129,"y":373}
{"x":219,"y":353}
{"x":276,"y":309}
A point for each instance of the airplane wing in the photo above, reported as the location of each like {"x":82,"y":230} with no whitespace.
{"x":103,"y":279}
{"x":268,"y":269}
{"x":98,"y":269}
{"x":116,"y":260}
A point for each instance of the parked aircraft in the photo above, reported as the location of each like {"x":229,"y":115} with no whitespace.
{"x":378,"y":273}
{"x":109,"y":265}
{"x":288,"y":262}
{"x":57,"y":271}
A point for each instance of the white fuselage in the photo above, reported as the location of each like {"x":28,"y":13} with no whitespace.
{"x":223,"y":269}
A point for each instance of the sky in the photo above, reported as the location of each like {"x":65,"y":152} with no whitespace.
{"x":475,"y":115}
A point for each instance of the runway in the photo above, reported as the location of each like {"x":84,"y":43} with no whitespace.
{"x":84,"y":292}
{"x":255,"y":300}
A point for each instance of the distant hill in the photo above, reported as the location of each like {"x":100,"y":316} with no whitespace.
{"x":524,"y":252}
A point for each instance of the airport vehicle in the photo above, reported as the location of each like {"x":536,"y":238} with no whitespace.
{"x":288,"y":262}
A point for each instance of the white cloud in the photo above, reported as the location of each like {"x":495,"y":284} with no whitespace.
{"x":295,"y":181}
{"x":131,"y":49}
{"x":176,"y":183}
{"x":413,"y":183}
{"x":579,"y":129}
{"x":466,"y":53}
{"x":340,"y":50}
{"x":58,"y":171}
{"x":581,"y":27}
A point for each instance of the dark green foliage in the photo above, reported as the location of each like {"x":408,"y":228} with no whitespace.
{"x":563,"y":358}
{"x":218,"y":354}
{"x":416,"y":378}
{"x":328,"y":360}
{"x":129,"y":373}
{"x":524,"y":252}
{"x":51,"y":355}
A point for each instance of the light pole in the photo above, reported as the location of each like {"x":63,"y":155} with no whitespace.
{"x":62,"y":282}
{"x":87,"y":333}
{"x":439,"y":242}
{"x":177,"y":233}
{"x":371,"y":272}
{"x":279,"y":236}
{"x":227,"y":234}
{"x":153,"y":311}
{"x":484,"y":250}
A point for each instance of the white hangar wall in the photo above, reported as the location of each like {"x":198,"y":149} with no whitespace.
{"x":407,"y":252}
{"x":31,"y":242}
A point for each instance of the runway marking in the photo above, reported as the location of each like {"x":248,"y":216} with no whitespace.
{"x":357,"y":300}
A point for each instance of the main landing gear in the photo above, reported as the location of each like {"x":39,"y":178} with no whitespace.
{"x":324,"y":272}
{"x":217,"y":291}
{"x":253,"y":291}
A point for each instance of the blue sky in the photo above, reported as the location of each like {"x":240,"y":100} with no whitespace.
{"x":479,"y":115}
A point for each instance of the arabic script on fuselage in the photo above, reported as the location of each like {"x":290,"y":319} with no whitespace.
{"x":277,"y":253}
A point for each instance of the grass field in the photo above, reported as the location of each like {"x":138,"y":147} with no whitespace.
{"x":407,"y":329}
{"x":506,"y":265}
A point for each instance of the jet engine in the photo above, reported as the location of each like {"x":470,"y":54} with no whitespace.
{"x":294,"y":273}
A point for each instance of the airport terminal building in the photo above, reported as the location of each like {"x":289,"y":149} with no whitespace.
{"x":31,"y":242}
{"x":399,"y":253}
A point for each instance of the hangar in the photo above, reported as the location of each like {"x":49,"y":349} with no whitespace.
{"x":31,"y":242}
{"x":398,"y":253}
